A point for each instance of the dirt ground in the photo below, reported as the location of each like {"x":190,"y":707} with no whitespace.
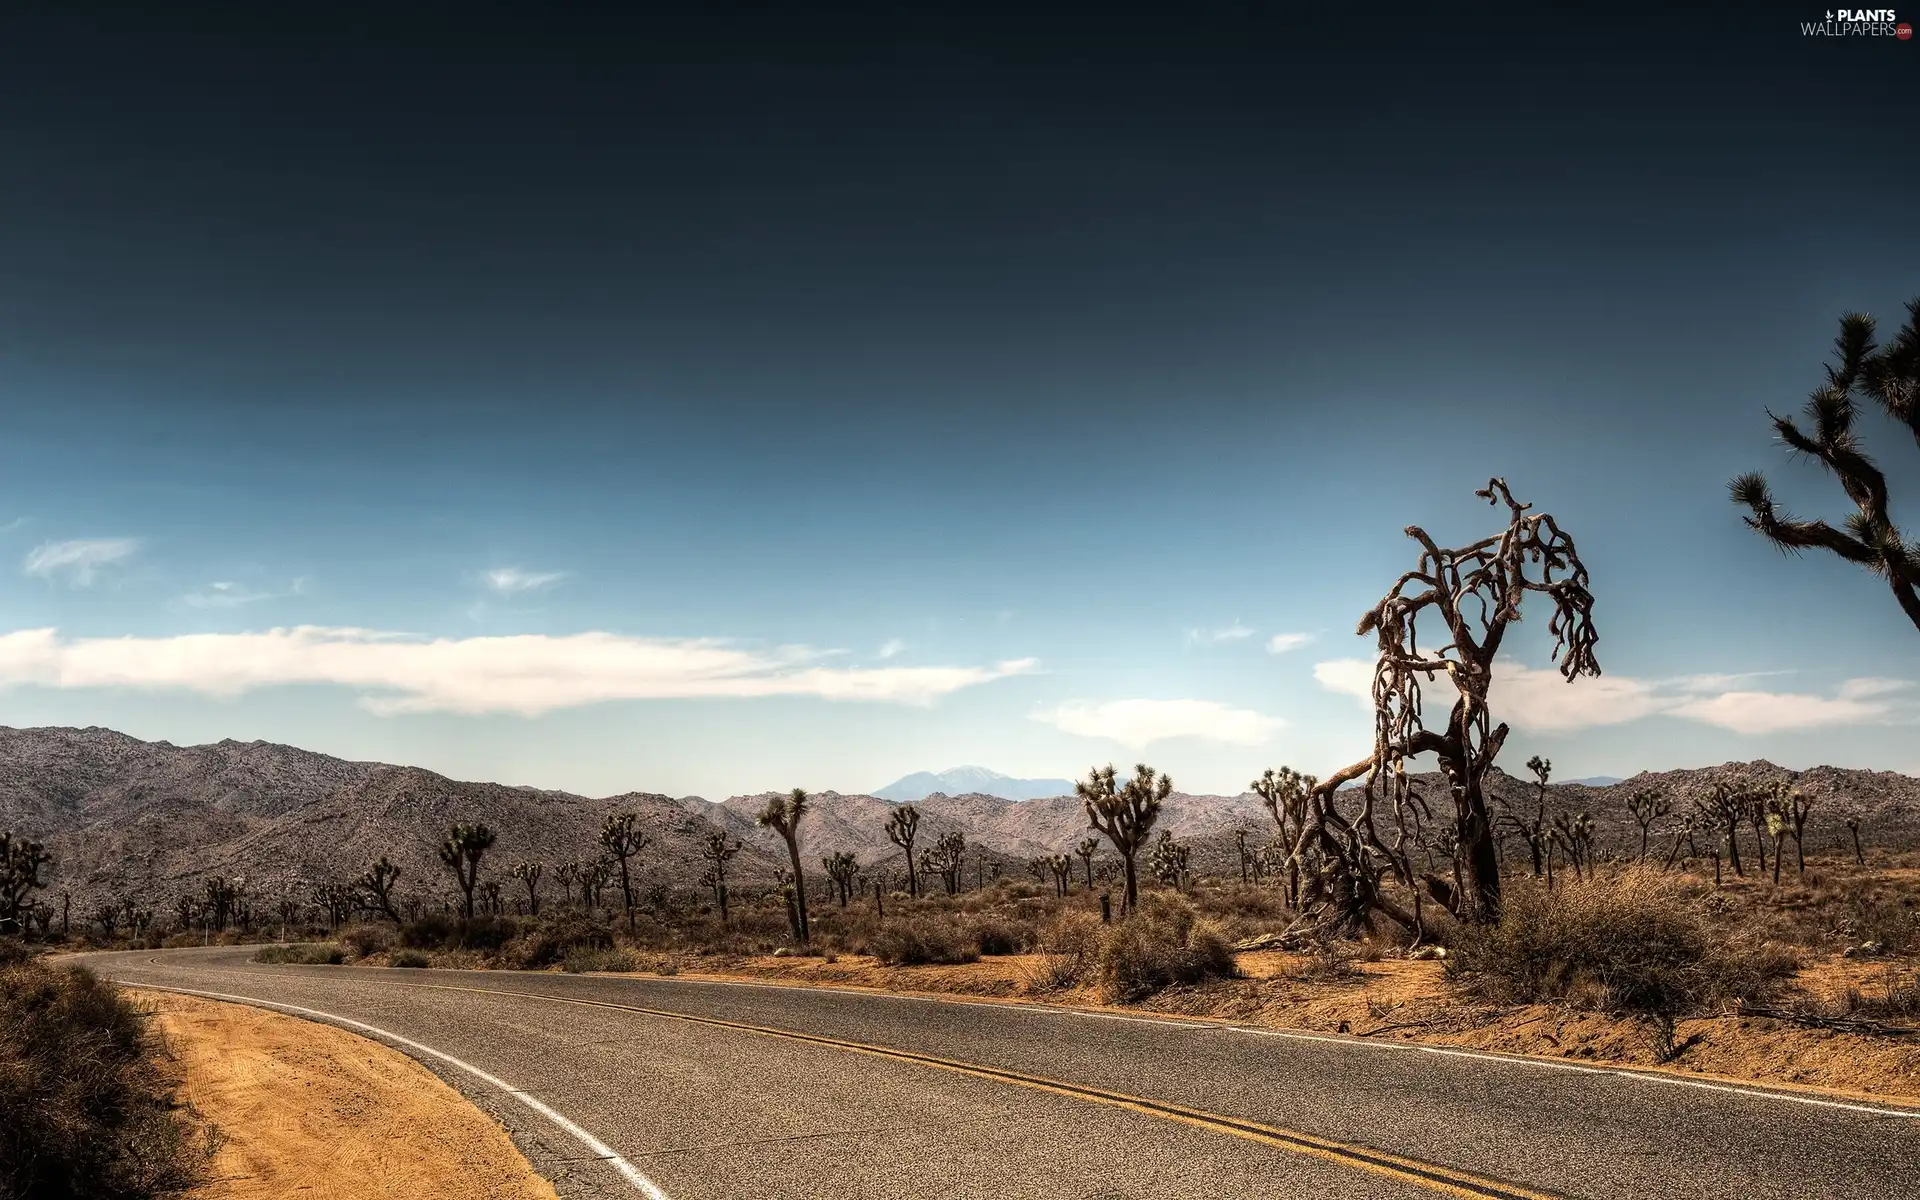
{"x":1398,"y":999}
{"x":313,"y":1111}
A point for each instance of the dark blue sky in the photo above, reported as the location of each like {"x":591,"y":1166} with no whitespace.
{"x":1082,"y":338}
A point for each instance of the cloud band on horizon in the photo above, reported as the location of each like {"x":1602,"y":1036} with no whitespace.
{"x":525,"y":674}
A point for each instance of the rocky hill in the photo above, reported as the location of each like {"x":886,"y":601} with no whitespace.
{"x":147,"y":820}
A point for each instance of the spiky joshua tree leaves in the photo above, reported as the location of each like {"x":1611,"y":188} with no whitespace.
{"x":528,"y":873}
{"x":717,"y":850}
{"x":782,"y":815}
{"x":843,"y":869}
{"x":624,"y":839}
{"x":1086,"y":849}
{"x":902,"y":825}
{"x":1647,"y":806}
{"x":1475,"y":592}
{"x":1125,"y":814}
{"x":461,"y":852}
{"x":1889,"y":376}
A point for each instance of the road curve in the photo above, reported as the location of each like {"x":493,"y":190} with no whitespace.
{"x":685,"y":1089}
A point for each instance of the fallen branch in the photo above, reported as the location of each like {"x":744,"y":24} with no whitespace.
{"x":1837,"y":1024}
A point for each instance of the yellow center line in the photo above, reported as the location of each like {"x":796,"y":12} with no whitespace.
{"x":1448,"y":1181}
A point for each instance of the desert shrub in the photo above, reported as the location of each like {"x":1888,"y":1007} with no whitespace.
{"x":1163,"y":944}
{"x":994,"y":936}
{"x":1328,"y":962}
{"x":408,"y":958}
{"x":1898,"y":997}
{"x":310,"y":954}
{"x":554,"y":938}
{"x":485,"y":933}
{"x":431,"y":931}
{"x":917,"y":941}
{"x":582,"y":959}
{"x":359,"y":941}
{"x":1070,"y":946}
{"x":84,"y":1112}
{"x":1627,"y":942}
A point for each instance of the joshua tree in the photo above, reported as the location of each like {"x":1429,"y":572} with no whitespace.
{"x":223,"y":896}
{"x":21,"y":862}
{"x":1532,"y":827}
{"x":594,"y":875}
{"x":1797,"y":806}
{"x":1125,"y":813}
{"x":1647,"y":806}
{"x":1756,"y":809}
{"x":490,"y":897}
{"x":107,"y":917}
{"x":1890,"y":376}
{"x":1722,"y":808}
{"x":1062,"y":868}
{"x":947,"y":859}
{"x":1168,"y":861}
{"x":1682,"y":836}
{"x":528,"y":873}
{"x":1037,"y":867}
{"x":1852,"y":821}
{"x":1086,"y":850}
{"x":564,"y":874}
{"x":1576,"y":834}
{"x":377,"y":881}
{"x":902,"y":824}
{"x":782,"y":815}
{"x":1287,"y":796}
{"x":1476,"y":593}
{"x":717,"y":849}
{"x":623,"y":838}
{"x":844,"y":870}
{"x":462,"y":851}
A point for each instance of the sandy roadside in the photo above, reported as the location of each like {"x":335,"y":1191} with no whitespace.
{"x":310,"y":1110}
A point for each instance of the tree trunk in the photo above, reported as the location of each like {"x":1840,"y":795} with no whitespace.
{"x":1859,"y":859}
{"x":799,"y":889}
{"x":1131,"y":897}
{"x":913,"y":876}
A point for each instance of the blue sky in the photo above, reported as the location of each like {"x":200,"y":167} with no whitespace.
{"x":674,"y":411}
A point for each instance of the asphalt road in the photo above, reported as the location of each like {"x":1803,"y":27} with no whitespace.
{"x":688,"y":1089}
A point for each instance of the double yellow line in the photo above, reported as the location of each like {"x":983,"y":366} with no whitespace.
{"x":1446,"y":1181}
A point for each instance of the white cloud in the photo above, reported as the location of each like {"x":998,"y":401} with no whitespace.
{"x":227,"y":594}
{"x":527,"y":674}
{"x":508,"y":580}
{"x":1214,"y":637}
{"x":1138,"y":723}
{"x":891,"y":647}
{"x":78,"y":561}
{"x":1280,"y":643}
{"x":1541,"y":700}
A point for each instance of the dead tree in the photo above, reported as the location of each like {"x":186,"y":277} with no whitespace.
{"x":903,"y":825}
{"x":1125,"y":814}
{"x":623,"y":838}
{"x":1475,"y":592}
{"x":1647,"y":806}
{"x":782,"y":815}
{"x":377,"y":881}
{"x":1890,"y":376}
{"x":461,"y":852}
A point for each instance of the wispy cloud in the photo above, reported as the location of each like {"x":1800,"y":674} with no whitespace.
{"x":1213,"y":637}
{"x":1139,"y":723}
{"x":1280,"y":643}
{"x":1539,"y":699}
{"x":78,"y":561}
{"x":227,"y":594}
{"x":510,"y":580}
{"x":528,"y":674}
{"x":892,"y":647}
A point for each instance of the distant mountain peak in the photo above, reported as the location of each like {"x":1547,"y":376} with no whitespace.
{"x":971,"y":780}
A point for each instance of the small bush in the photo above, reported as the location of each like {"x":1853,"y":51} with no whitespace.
{"x":360,"y":941}
{"x":84,"y":1113}
{"x":408,"y":958}
{"x":992,"y":936}
{"x":582,"y":959}
{"x":918,"y":941}
{"x":309,"y":954}
{"x":554,"y":938}
{"x":1163,"y":944}
{"x":1071,"y":947}
{"x":1628,"y":942}
{"x":431,"y":931}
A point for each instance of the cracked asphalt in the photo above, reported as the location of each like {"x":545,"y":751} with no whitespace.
{"x":709,"y":1110}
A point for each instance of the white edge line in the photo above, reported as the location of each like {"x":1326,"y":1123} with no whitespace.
{"x":598,"y":1148}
